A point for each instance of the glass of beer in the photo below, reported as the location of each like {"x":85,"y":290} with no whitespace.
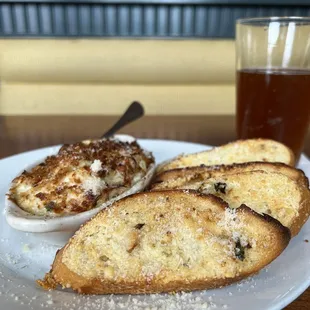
{"x":273,"y":79}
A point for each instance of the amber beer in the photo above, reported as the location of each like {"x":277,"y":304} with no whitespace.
{"x":274,"y":103}
{"x":273,"y":79}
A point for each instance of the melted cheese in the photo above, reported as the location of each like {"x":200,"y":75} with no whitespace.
{"x":80,"y":177}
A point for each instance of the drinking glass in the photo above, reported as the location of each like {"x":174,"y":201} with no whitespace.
{"x":273,"y":79}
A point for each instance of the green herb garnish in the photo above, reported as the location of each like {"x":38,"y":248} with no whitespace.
{"x":50,"y":206}
{"x":139,"y":226}
{"x":239,"y":251}
{"x":220,"y":187}
{"x":104,"y":258}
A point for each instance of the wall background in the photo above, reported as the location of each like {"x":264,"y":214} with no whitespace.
{"x":79,"y":57}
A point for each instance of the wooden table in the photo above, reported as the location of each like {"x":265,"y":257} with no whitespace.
{"x":19,"y":134}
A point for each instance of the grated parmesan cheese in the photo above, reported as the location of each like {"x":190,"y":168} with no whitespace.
{"x":230,"y":219}
{"x":94,"y":185}
{"x":96,"y":166}
{"x":26,"y":248}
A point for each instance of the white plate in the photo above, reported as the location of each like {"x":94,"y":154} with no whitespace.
{"x":25,"y":257}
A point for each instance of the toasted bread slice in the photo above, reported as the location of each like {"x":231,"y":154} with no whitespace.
{"x":240,"y":151}
{"x":275,"y":189}
{"x":291,"y":172}
{"x":165,"y":242}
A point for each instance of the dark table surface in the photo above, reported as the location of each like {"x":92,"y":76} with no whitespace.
{"x":22,"y":133}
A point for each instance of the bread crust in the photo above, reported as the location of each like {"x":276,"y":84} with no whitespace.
{"x":296,"y":175}
{"x":293,"y":173}
{"x":304,"y":211}
{"x":167,"y":164}
{"x":61,"y":274}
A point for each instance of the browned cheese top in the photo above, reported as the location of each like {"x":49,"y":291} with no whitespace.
{"x":80,"y":177}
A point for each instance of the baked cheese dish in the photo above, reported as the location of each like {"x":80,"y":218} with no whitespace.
{"x":80,"y":177}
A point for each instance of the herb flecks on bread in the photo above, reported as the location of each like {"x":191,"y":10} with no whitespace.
{"x":278,"y":190}
{"x":167,"y":241}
